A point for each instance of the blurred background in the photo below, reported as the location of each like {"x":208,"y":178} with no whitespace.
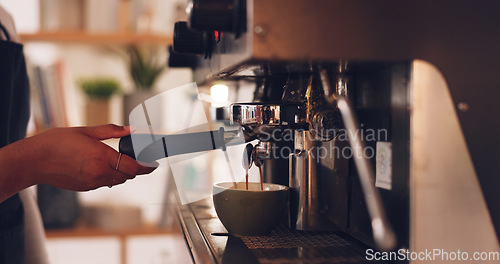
{"x":90,"y":62}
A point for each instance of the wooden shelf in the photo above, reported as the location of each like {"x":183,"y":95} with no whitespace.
{"x":122,"y":235}
{"x":97,"y":38}
{"x":96,"y":232}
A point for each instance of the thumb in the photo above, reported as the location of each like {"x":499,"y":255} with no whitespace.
{"x":107,"y":131}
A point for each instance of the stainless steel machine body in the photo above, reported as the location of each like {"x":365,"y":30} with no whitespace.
{"x":421,"y":75}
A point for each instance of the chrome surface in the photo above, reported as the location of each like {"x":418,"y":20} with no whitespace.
{"x":257,"y":160}
{"x":264,"y":150}
{"x":304,"y":185}
{"x":267,"y":121}
{"x":308,"y":163}
{"x":232,"y":137}
{"x":248,"y":156}
{"x":323,"y":120}
{"x":325,"y":124}
{"x":327,"y":88}
{"x":255,"y":114}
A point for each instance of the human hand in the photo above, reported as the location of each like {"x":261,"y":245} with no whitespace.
{"x":72,"y":158}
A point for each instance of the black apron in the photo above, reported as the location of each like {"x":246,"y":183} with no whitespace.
{"x":14,"y":115}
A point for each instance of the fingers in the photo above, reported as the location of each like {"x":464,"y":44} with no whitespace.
{"x":125,"y":169}
{"x":119,"y":168}
{"x":131,"y":167}
{"x":107,"y":131}
{"x":113,"y":178}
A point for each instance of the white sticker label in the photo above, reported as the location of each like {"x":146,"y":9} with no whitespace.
{"x":383,"y":170}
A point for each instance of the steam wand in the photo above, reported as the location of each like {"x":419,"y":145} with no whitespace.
{"x":383,"y":233}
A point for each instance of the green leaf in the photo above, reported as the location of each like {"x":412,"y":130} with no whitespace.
{"x":144,"y":67}
{"x":100,"y":87}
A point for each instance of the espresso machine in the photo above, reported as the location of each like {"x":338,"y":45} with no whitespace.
{"x":379,"y":115}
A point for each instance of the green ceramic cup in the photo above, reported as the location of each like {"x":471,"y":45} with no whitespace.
{"x":249,"y":212}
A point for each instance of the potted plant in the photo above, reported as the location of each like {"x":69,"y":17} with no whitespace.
{"x":98,"y":90}
{"x":145,"y":67}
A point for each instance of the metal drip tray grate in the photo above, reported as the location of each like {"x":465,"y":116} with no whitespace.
{"x":283,"y":238}
{"x":284,"y":246}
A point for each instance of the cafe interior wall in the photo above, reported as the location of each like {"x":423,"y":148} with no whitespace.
{"x":84,"y":60}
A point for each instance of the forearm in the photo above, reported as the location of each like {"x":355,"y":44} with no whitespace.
{"x":14,"y":164}
{"x":67,"y":158}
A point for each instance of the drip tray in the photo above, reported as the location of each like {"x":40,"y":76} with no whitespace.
{"x":283,"y":238}
{"x":280,"y":246}
{"x":284,"y":246}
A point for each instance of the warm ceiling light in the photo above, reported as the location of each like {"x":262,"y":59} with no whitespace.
{"x":219,"y":94}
